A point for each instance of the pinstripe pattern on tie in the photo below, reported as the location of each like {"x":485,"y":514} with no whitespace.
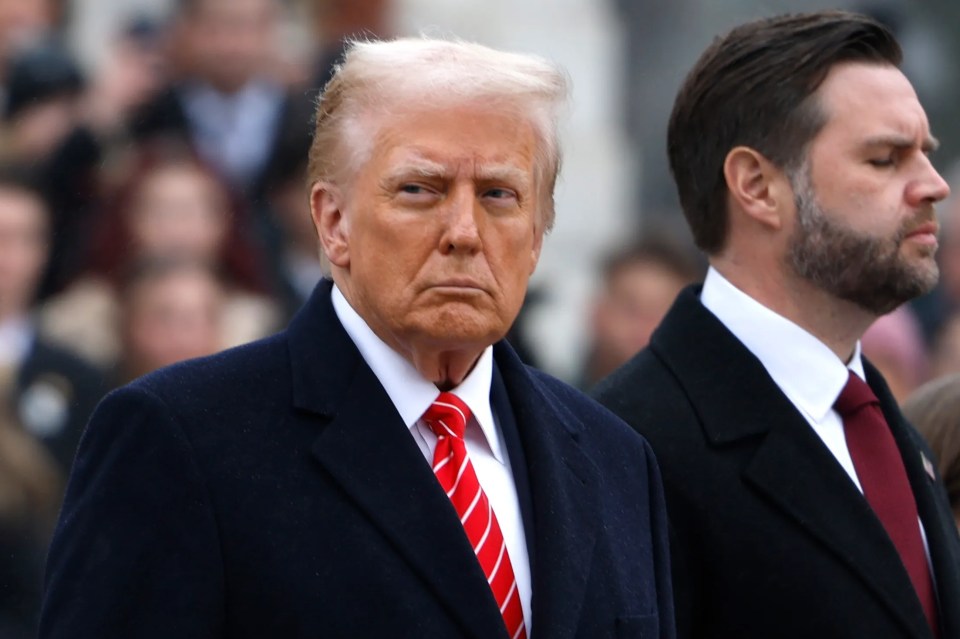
{"x":448,"y":417}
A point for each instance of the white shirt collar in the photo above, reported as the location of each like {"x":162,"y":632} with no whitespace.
{"x":807,"y":371}
{"x":409,"y":391}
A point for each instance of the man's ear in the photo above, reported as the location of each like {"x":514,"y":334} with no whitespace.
{"x":326,"y":208}
{"x":759,"y":189}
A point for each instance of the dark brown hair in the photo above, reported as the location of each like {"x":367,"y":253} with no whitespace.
{"x":754,"y":87}
{"x":112,"y":249}
{"x":934,"y":409}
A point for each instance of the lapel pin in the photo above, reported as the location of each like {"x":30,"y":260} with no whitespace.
{"x":928,"y":466}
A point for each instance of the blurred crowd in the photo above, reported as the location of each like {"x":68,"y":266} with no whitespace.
{"x":151,"y":211}
{"x":155,"y":210}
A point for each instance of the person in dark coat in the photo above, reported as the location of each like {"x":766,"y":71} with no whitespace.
{"x":387,"y":466}
{"x":801,"y":502}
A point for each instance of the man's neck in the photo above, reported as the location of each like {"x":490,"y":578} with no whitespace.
{"x":837,"y":323}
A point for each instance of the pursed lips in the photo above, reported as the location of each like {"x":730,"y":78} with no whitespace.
{"x":930,"y":228}
{"x":458,"y":283}
{"x":925,"y":233}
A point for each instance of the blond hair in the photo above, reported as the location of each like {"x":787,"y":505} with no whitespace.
{"x":378,"y":77}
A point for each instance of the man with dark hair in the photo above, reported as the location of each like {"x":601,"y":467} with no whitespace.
{"x":801,"y":503}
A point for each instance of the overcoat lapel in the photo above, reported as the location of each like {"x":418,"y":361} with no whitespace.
{"x":791,"y":467}
{"x":565,"y":485}
{"x":365,"y":447}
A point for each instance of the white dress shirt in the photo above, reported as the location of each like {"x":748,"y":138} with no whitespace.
{"x":412,"y":395}
{"x":808,"y":372}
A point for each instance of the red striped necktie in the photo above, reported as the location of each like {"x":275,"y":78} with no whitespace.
{"x":883,"y":478}
{"x":448,"y":417}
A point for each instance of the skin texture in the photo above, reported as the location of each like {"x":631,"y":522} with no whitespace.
{"x":434,"y":238}
{"x":871,"y":179}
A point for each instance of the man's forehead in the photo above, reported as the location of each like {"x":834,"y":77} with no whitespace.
{"x":425,"y":161}
{"x":875,"y":103}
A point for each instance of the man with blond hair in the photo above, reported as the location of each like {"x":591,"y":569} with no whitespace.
{"x":387,"y":466}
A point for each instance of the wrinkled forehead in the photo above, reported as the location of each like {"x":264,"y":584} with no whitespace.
{"x":866,"y":101}
{"x":378,"y":128}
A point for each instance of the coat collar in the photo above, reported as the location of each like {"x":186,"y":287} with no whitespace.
{"x":735,"y":400}
{"x":364,"y":446}
{"x":565,"y":484}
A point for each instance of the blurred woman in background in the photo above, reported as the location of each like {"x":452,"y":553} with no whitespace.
{"x":171,"y":205}
{"x":934,"y":409}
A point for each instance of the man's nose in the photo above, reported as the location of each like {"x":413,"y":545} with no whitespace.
{"x":463,"y":219}
{"x":930,"y":186}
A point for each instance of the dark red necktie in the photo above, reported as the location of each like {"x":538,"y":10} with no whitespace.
{"x":448,"y":417}
{"x":883,"y":478}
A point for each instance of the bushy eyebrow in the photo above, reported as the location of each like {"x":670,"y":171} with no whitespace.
{"x":416,"y":167}
{"x":505,"y":173}
{"x":902,"y":142}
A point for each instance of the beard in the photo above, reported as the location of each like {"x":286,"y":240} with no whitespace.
{"x":866,"y":270}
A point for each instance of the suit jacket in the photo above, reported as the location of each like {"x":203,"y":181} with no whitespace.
{"x":274,"y":491}
{"x":769,"y":537}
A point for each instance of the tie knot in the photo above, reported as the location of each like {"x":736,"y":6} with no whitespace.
{"x":447,"y":416}
{"x":855,"y":395}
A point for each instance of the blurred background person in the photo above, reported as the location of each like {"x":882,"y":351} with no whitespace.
{"x":31,"y":487}
{"x":44,"y":127}
{"x":224,"y":100}
{"x":945,"y":357}
{"x":171,"y":309}
{"x":46,"y":396}
{"x":934,"y":409}
{"x":24,"y":23}
{"x":336,"y":21}
{"x":170,"y":205}
{"x":142,"y":63}
{"x":894,"y":343}
{"x":133,"y":72}
{"x":50,"y":391}
{"x":639,"y":284}
{"x":286,"y":229}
